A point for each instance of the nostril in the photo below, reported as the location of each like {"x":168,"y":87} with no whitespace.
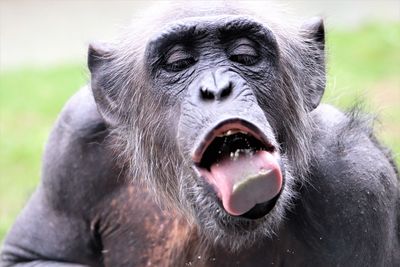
{"x":207,"y":94}
{"x":226,"y":91}
{"x":215,"y":91}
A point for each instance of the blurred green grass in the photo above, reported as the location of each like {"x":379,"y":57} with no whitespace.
{"x":364,"y":65}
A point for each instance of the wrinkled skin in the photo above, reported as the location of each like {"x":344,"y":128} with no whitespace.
{"x":132,"y":169}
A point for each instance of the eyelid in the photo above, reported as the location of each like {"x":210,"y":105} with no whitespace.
{"x":176,"y":54}
{"x":244,"y":49}
{"x":242,"y":46}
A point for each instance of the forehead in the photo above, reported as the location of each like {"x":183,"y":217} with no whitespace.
{"x":215,"y":26}
{"x":208,"y":24}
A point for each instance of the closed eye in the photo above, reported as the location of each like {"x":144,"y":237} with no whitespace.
{"x":179,"y":59}
{"x":243,"y":52}
{"x":181,"y":64}
{"x":247,"y":60}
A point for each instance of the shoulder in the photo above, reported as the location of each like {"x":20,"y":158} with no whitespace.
{"x":352,"y":183}
{"x":328,"y":115}
{"x":348,"y":138}
{"x":78,"y":163}
{"x":346,"y":151}
{"x":80,"y":116}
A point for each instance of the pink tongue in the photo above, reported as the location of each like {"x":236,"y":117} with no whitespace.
{"x":246,"y":180}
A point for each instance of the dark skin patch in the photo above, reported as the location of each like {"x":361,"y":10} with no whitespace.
{"x":153,"y":239}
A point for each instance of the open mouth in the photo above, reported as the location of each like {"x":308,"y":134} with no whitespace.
{"x":237,"y":159}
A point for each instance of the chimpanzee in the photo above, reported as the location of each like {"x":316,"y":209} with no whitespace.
{"x":201,"y":141}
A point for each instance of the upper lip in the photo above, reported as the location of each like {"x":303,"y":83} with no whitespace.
{"x":227,"y":127}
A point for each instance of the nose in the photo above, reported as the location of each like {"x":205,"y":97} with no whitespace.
{"x":216,"y":85}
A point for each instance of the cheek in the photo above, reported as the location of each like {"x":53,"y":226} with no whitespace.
{"x":172,"y":87}
{"x":173,"y":116}
{"x":191,"y":120}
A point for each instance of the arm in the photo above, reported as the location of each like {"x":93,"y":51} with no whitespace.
{"x":41,"y":236}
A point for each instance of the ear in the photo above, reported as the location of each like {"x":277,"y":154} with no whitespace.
{"x":314,"y":34}
{"x":97,"y":55}
{"x":99,"y":63}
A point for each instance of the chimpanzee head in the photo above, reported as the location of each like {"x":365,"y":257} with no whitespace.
{"x":210,"y":109}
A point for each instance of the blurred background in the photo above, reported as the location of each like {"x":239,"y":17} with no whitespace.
{"x":43,"y":47}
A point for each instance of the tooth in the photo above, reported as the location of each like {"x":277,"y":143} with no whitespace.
{"x":237,"y":153}
{"x":263,"y":171}
{"x":228,"y":133}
